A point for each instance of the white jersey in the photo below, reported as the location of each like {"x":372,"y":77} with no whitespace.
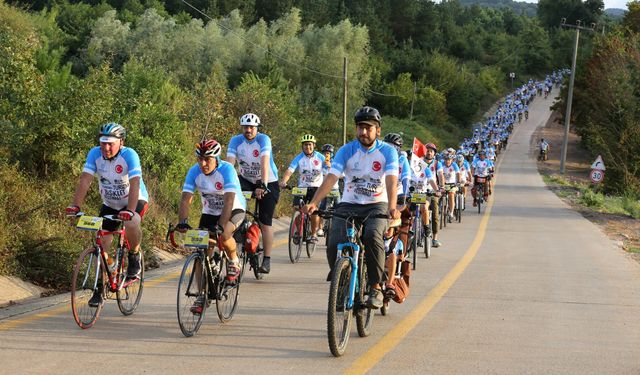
{"x":450,"y":173}
{"x":213,"y":186}
{"x":249,"y":154}
{"x":114,"y":176}
{"x":309,"y":168}
{"x":365,"y":171}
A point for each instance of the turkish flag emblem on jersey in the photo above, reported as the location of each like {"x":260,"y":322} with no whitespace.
{"x":218,"y":185}
{"x":315,"y":162}
{"x":376,"y":166}
{"x":119,"y":169}
{"x":256,"y":153}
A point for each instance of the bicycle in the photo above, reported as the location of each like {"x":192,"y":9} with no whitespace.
{"x":394,"y":245}
{"x":332,"y":198}
{"x":299,"y":228}
{"x":252,"y":251}
{"x":204,"y":279}
{"x":91,"y":270}
{"x":349,"y":286}
{"x":542,"y":156}
{"x":460,"y":204}
{"x":480,"y":187}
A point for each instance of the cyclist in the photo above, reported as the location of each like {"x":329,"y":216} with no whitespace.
{"x":482,"y":168}
{"x":257,"y":173}
{"x":451,"y":176}
{"x":327,"y":152}
{"x":422,"y":181}
{"x":404,"y":173}
{"x":223,"y":204}
{"x":436,"y":170}
{"x":122,"y":189}
{"x":544,"y":149}
{"x":370,"y":169}
{"x":309,"y":165}
{"x":465,"y":173}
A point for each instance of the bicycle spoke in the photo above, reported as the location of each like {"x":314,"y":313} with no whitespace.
{"x":87,"y":279}
{"x":191,"y":286}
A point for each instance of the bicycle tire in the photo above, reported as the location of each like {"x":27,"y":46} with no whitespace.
{"x":444,"y":214}
{"x":130,"y":291}
{"x":257,"y":261}
{"x":428,"y":241}
{"x":338,"y":316}
{"x":414,"y":241}
{"x":364,"y":315}
{"x":384,"y":310}
{"x":86,"y":277}
{"x":310,"y":246}
{"x":480,"y":195}
{"x":188,"y":292}
{"x":294,"y":233}
{"x":327,"y":231}
{"x":459,"y":209}
{"x":227,"y":293}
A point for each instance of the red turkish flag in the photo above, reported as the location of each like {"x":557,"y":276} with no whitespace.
{"x":418,"y":148}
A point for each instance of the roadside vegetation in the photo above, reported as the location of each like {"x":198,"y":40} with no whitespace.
{"x":171,"y":75}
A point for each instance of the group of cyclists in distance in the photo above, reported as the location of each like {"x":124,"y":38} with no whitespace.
{"x":378,"y":175}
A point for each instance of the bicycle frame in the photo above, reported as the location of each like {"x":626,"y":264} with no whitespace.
{"x":118,"y":260}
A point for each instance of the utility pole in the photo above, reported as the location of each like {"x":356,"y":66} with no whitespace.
{"x":413,"y":99}
{"x":567,"y":116}
{"x":344,"y":102}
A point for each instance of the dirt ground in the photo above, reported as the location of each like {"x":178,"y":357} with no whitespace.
{"x":623,"y":229}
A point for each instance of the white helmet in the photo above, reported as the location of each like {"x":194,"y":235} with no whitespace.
{"x":250,"y":120}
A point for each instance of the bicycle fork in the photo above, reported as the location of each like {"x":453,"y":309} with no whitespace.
{"x":353,"y":281}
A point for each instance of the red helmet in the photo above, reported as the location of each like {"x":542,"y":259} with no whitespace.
{"x":208,"y":148}
{"x":431,"y":146}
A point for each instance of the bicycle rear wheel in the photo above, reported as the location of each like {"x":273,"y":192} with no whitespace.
{"x":256,"y":261}
{"x":191,"y":286}
{"x":88,"y":276}
{"x":459,"y":204}
{"x":327,"y":231}
{"x":130,"y":292}
{"x":413,"y":244}
{"x":480,"y":197}
{"x":227,"y":293}
{"x":295,"y":236}
{"x":428,"y":237}
{"x":338,"y":316}
{"x":364,"y":315}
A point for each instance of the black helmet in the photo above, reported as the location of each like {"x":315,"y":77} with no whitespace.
{"x":394,"y":138}
{"x":366,"y":114}
{"x":327,"y":148}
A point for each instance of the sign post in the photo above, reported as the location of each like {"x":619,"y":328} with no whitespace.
{"x":512,"y":75}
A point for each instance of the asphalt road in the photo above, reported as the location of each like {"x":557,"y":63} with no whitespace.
{"x":527,"y":287}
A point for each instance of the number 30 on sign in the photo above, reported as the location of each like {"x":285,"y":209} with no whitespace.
{"x":596,"y":176}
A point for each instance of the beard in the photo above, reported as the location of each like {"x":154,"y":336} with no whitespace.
{"x":366,"y":142}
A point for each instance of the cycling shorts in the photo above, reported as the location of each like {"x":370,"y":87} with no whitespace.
{"x":111,"y":225}
{"x":209,"y":222}
{"x":266,"y":205}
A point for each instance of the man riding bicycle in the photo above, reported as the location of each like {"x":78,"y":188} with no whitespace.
{"x":122,"y":189}
{"x":223,"y":204}
{"x":334,"y":198}
{"x":436,"y":170}
{"x":451,"y":176}
{"x":257,"y":173}
{"x":544,"y":149}
{"x":481,"y":168}
{"x":309,"y":165}
{"x":370,"y":169}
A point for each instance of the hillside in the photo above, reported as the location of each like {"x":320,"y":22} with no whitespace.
{"x":519,"y":7}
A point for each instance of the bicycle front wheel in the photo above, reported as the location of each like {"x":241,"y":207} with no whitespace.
{"x":311,"y":246}
{"x":192,"y":287}
{"x":295,"y":236}
{"x":87,"y":278}
{"x":338,"y":315}
{"x":130,"y":291}
{"x":227,"y":293}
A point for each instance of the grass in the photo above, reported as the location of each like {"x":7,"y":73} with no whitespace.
{"x":583,"y":194}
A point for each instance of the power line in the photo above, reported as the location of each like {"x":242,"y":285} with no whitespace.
{"x":266,"y":50}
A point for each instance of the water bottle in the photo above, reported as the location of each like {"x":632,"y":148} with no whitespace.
{"x":111,"y":265}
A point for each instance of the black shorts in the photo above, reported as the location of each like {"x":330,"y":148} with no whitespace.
{"x":311,"y":191}
{"x":209,"y":222}
{"x":111,"y":225}
{"x":267,"y":205}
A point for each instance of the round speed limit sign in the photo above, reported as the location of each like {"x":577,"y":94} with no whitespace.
{"x":596,"y":176}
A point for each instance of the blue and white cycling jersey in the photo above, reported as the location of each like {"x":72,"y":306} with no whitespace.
{"x":114,"y":176}
{"x":365,"y":170}
{"x":435,"y":167}
{"x":212,"y":187}
{"x":464,"y":170}
{"x":481,"y":167}
{"x":309,"y":169}
{"x":450,"y":173}
{"x":325,"y":171}
{"x":420,"y":176}
{"x":404,"y":174}
{"x":248,"y":155}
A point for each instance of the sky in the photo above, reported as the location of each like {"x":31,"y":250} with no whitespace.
{"x":622,"y":4}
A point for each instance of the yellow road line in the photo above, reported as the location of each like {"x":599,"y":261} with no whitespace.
{"x":10,"y":324}
{"x":402,"y":329}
